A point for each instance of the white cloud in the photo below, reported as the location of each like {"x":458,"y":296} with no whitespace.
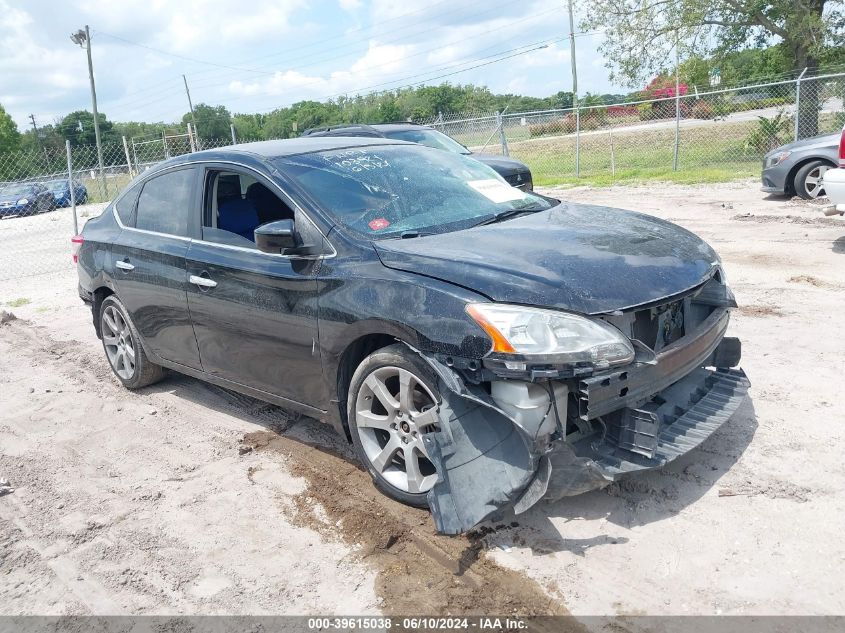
{"x":182,"y":26}
{"x":369,"y":69}
{"x":295,"y":49}
{"x":30,"y":68}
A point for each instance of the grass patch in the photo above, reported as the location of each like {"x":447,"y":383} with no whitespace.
{"x":114,"y":184}
{"x":666,"y":174}
{"x":710,"y":152}
{"x":17,"y":303}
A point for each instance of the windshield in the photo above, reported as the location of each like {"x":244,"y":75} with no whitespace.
{"x":383,"y":191}
{"x":430,"y":138}
{"x":56,"y":185}
{"x":15,"y":190}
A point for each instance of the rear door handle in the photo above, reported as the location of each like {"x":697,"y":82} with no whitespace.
{"x":124,"y":265}
{"x":203,"y":282}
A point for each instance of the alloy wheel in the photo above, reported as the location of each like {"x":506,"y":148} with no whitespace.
{"x":117,"y":339}
{"x":813,"y":181}
{"x":392,"y":411}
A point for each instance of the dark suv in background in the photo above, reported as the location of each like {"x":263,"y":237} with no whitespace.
{"x":515,"y":172}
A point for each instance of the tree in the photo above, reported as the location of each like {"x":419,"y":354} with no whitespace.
{"x":249,"y":127}
{"x":48,"y":139}
{"x":78,"y":128}
{"x":212,"y":121}
{"x":640,"y":35}
{"x":10,"y":138}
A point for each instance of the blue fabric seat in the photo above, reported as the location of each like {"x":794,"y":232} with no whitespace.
{"x":239,"y":216}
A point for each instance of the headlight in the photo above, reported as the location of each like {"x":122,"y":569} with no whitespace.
{"x":23,"y":201}
{"x":777,"y":159}
{"x":536,"y":332}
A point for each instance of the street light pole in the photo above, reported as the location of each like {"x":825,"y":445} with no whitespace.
{"x":83,"y":38}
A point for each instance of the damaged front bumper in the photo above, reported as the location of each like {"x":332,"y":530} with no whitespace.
{"x":491,"y":457}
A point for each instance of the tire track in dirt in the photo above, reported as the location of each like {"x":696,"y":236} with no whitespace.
{"x":419,"y":571}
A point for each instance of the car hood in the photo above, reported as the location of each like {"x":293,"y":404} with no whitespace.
{"x":576,"y":257}
{"x":816,"y":142}
{"x":502,"y":164}
{"x":13,"y":198}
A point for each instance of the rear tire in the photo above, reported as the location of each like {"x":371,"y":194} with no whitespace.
{"x":393,"y":399}
{"x":122,"y":345}
{"x":807,"y":180}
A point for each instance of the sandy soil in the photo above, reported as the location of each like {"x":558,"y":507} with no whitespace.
{"x":186,"y":498}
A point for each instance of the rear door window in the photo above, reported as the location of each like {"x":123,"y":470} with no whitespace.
{"x":166,"y":203}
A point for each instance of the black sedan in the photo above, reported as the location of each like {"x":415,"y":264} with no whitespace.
{"x":482,"y":347}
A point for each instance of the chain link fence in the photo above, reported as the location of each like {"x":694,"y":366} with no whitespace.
{"x":38,"y":191}
{"x":691,"y":136}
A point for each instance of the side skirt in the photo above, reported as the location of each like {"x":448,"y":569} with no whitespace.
{"x":258,"y":394}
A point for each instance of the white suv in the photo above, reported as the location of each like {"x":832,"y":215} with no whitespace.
{"x":834,"y":182}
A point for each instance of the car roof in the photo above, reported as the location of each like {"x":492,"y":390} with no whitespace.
{"x":400,"y":127}
{"x":356,"y":129}
{"x":294,"y":146}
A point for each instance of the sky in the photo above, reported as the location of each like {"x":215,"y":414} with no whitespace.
{"x":263,"y":54}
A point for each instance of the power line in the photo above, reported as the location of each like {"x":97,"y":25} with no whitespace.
{"x":254,"y":70}
{"x":321,"y":60}
{"x":402,"y":80}
{"x":423,"y":52}
{"x":442,"y":76}
{"x":461,"y":40}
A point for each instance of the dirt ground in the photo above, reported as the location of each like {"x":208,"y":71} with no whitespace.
{"x":184,"y":498}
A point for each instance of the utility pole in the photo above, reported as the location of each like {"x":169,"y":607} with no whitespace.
{"x":37,"y":138}
{"x":190,"y":105}
{"x":81,"y":38}
{"x":575,"y":91}
{"x":35,"y":128}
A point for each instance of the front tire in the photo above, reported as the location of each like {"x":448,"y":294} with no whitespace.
{"x":808,"y":179}
{"x":123,"y":348}
{"x":393,"y":399}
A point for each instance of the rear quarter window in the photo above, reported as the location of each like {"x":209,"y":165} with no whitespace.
{"x":165,"y":203}
{"x":125,"y":205}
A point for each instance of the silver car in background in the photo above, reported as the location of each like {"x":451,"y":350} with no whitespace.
{"x":798,"y":168}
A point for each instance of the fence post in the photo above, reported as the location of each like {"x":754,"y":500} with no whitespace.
{"x":612,"y":155}
{"x":72,"y":192}
{"x":164,"y":142}
{"x":128,"y":160}
{"x":500,"y":122}
{"x":677,"y":131}
{"x":577,"y":140}
{"x":191,"y":139}
{"x":135,"y":156}
{"x":234,"y":136}
{"x":798,"y":101}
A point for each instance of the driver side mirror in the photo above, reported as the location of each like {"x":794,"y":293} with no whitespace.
{"x":276,"y":237}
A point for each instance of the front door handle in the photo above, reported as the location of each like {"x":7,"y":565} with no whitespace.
{"x":203,"y":282}
{"x":124,"y":265}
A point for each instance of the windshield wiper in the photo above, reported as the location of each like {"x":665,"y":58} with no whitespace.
{"x":510,"y":213}
{"x":411,"y":233}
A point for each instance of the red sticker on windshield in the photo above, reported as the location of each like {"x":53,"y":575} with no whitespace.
{"x":378,"y":224}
